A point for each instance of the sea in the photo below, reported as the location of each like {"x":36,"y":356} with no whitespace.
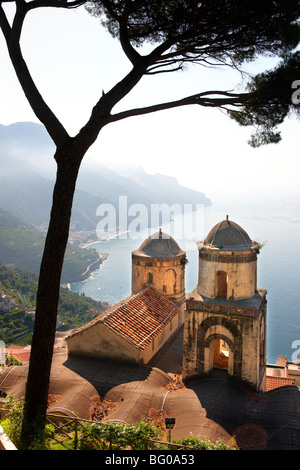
{"x":275,"y":226}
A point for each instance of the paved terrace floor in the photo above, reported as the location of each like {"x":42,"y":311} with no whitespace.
{"x":211,"y":408}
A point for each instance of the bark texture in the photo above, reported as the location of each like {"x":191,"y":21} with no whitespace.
{"x":48,"y":295}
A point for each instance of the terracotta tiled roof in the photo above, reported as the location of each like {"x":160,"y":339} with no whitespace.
{"x":138,"y":319}
{"x":23,"y":355}
{"x":276,"y":382}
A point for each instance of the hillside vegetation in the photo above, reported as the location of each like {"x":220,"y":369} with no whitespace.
{"x":22,"y":245}
{"x":16,"y":326}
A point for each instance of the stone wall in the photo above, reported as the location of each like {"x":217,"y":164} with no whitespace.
{"x":5,"y":442}
{"x":165,"y":275}
{"x":240,"y":328}
{"x":240,"y":270}
{"x":100,"y":341}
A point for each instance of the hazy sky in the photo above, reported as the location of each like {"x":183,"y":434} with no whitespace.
{"x":72,"y":58}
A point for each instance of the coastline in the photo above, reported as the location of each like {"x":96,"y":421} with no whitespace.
{"x":93,"y":266}
{"x":88,"y":272}
{"x":107,"y":238}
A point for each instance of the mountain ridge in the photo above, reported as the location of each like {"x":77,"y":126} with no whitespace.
{"x":28,"y":175}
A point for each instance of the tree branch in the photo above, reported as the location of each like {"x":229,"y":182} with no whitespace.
{"x":55,"y":3}
{"x":202,"y":99}
{"x":127,"y":47}
{"x":36,"y":101}
{"x":4,"y":24}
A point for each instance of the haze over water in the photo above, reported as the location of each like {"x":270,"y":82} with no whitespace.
{"x":278,"y":264}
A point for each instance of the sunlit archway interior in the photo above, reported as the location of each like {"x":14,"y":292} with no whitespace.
{"x":219,"y":354}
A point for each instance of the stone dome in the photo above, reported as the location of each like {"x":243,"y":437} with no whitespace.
{"x":228,"y":235}
{"x":159,"y":245}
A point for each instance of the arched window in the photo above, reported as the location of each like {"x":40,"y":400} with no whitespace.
{"x":150,"y":278}
{"x":169,"y":281}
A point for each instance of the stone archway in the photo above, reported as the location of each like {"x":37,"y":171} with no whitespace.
{"x":204,"y":362}
{"x":220,"y":352}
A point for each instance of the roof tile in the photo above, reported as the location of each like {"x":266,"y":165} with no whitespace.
{"x":138,"y":319}
{"x":276,"y":382}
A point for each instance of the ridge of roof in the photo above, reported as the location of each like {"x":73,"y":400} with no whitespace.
{"x":138,"y":319}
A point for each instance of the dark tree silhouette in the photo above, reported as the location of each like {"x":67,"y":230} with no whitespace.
{"x":207,"y":33}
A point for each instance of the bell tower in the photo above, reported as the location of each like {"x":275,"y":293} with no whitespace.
{"x":225,"y":316}
{"x":160,"y":263}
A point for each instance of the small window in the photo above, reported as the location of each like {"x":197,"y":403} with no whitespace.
{"x":150,"y":278}
{"x":222,"y":284}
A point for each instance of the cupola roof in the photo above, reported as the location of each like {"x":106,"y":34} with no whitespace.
{"x":228,"y":235}
{"x":159,"y":245}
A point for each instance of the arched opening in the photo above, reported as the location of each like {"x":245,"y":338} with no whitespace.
{"x":222,"y":283}
{"x":169,"y":282}
{"x":219,"y":328}
{"x":220,"y":354}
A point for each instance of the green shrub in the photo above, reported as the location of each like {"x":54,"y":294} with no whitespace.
{"x":13,"y":361}
{"x":12,"y":425}
{"x":117,"y":436}
{"x":98,"y":436}
{"x":204,"y":444}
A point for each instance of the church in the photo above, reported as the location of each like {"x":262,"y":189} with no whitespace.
{"x":224,"y":318}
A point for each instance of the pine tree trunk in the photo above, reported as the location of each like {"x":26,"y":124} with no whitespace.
{"x":47,"y":299}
